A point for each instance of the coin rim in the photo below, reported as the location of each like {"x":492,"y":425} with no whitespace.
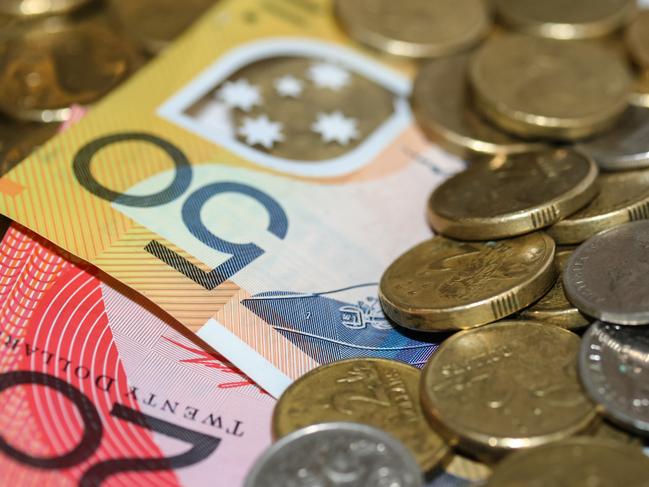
{"x":518,"y":222}
{"x":350,"y":426}
{"x":14,"y":9}
{"x":479,"y":442}
{"x":639,"y":55}
{"x":426,"y":464}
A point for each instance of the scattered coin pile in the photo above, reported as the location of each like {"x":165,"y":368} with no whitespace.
{"x":58,"y":53}
{"x":547,"y":108}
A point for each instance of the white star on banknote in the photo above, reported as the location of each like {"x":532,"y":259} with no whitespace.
{"x":329,"y":76}
{"x":289,"y":86}
{"x":335,"y":127}
{"x":261,"y":131}
{"x":240,"y":94}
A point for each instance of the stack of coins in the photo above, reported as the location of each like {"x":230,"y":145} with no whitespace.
{"x":537,"y":280}
{"x":55,"y":54}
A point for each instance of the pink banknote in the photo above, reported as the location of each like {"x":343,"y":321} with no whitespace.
{"x":98,"y":389}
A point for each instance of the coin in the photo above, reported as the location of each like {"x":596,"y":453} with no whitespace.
{"x":640,"y":92}
{"x":606,"y":277}
{"x":626,"y":146}
{"x":40,"y":7}
{"x":577,"y":462}
{"x":415,"y":28}
{"x":506,"y":386}
{"x":336,"y":454}
{"x":443,"y":106}
{"x":536,"y":87}
{"x":443,"y":284}
{"x":47,"y":66}
{"x":554,"y":308}
{"x":614,"y":368}
{"x":156,"y":23}
{"x":637,"y":38}
{"x":566,"y":19}
{"x":609,"y":431}
{"x":18,"y":140}
{"x":378,"y":392}
{"x":622,"y":197}
{"x":508,"y":196}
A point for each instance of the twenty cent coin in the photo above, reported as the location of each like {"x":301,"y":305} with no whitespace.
{"x":415,"y":28}
{"x":443,"y":105}
{"x":336,"y":454}
{"x":577,"y":462}
{"x":566,"y":19}
{"x":606,"y":277}
{"x":536,"y":87}
{"x":506,"y":386}
{"x":614,"y":368}
{"x":509,"y":196}
{"x":443,"y":284}
{"x":378,"y":392}
{"x":554,"y":308}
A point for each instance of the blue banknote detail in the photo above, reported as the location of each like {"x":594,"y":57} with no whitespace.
{"x":340,"y":324}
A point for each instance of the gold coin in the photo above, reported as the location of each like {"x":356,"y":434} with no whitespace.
{"x":443,"y":106}
{"x":443,"y":284}
{"x":508,"y":196}
{"x":577,"y":462}
{"x":378,"y":392}
{"x":566,"y":19}
{"x":49,"y":65}
{"x":640,"y":91}
{"x":506,"y":386}
{"x":637,"y":38}
{"x":554,"y":308}
{"x":537,"y":87}
{"x":608,"y":431}
{"x":40,"y":7}
{"x":18,"y":140}
{"x":156,"y":23}
{"x":622,"y":197}
{"x":415,"y":28}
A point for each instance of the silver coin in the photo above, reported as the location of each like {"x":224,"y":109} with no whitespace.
{"x":624,"y":147}
{"x":614,"y":368}
{"x":336,"y":454}
{"x":607,"y":277}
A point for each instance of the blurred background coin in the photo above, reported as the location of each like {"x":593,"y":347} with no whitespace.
{"x":443,"y":106}
{"x":336,"y":454}
{"x":506,"y":386}
{"x":637,"y":37}
{"x":614,"y":368}
{"x":554,"y":308}
{"x":18,"y":140}
{"x":640,"y":92}
{"x":536,"y":87}
{"x":378,"y":392}
{"x":443,"y":284}
{"x":415,"y":28}
{"x":566,"y":19}
{"x":577,"y":462}
{"x":41,"y":7}
{"x":508,"y":196}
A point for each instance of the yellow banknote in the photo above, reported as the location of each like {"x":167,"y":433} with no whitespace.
{"x":254,"y":182}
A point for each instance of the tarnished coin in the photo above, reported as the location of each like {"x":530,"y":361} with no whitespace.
{"x":47,"y":66}
{"x":622,"y":197}
{"x":415,"y":28}
{"x":640,"y":92}
{"x":156,"y":23}
{"x":626,"y":146}
{"x":577,"y":462}
{"x":443,"y":105}
{"x":509,"y":196}
{"x":336,"y":454}
{"x":378,"y":392}
{"x":506,"y":386}
{"x":614,"y":368}
{"x":40,"y":7}
{"x":18,"y":140}
{"x":606,"y":277}
{"x":536,"y":87}
{"x":566,"y":19}
{"x":554,"y":308}
{"x":443,"y":284}
{"x":637,"y":38}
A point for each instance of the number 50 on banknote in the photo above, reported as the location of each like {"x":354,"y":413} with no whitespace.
{"x":253,"y":182}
